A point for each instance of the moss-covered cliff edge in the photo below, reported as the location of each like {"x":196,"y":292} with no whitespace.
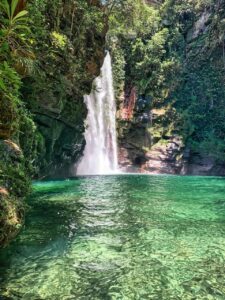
{"x":50,"y":52}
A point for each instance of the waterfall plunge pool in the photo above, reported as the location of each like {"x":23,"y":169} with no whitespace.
{"x":120,"y":237}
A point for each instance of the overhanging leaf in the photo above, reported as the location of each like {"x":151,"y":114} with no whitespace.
{"x":20,"y":15}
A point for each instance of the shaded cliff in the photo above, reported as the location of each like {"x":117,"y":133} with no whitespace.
{"x":70,"y":54}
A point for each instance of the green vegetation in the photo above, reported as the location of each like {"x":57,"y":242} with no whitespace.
{"x":173,"y":53}
{"x":50,"y":51}
{"x":17,"y":129}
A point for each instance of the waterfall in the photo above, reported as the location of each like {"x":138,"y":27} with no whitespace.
{"x":100,"y":153}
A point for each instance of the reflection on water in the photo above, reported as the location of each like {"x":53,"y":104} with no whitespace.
{"x":120,"y":237}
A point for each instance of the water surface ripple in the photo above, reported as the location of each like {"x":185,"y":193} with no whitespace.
{"x":120,"y":237}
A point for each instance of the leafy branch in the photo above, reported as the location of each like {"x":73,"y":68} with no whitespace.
{"x":13,"y":23}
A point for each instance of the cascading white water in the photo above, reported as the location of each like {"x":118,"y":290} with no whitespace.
{"x":100,"y":153}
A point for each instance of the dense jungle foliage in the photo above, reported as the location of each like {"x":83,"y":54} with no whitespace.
{"x":173,"y":53}
{"x":50,"y":51}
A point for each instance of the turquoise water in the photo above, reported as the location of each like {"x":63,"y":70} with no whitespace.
{"x":120,"y":237}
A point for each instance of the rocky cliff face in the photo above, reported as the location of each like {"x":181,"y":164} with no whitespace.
{"x":166,"y":157}
{"x":55,"y":96}
{"x":176,"y":133}
{"x":145,"y":147}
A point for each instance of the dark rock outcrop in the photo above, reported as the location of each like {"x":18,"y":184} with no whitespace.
{"x":168,"y":157}
{"x":14,"y":186}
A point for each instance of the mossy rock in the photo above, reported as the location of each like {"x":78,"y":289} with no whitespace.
{"x":11,"y":216}
{"x":8,"y":113}
{"x":15,"y":185}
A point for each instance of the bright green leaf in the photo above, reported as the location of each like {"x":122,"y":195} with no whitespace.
{"x":13,"y":7}
{"x":20,"y":15}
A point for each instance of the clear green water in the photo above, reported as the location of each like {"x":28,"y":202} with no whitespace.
{"x":120,"y":237}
